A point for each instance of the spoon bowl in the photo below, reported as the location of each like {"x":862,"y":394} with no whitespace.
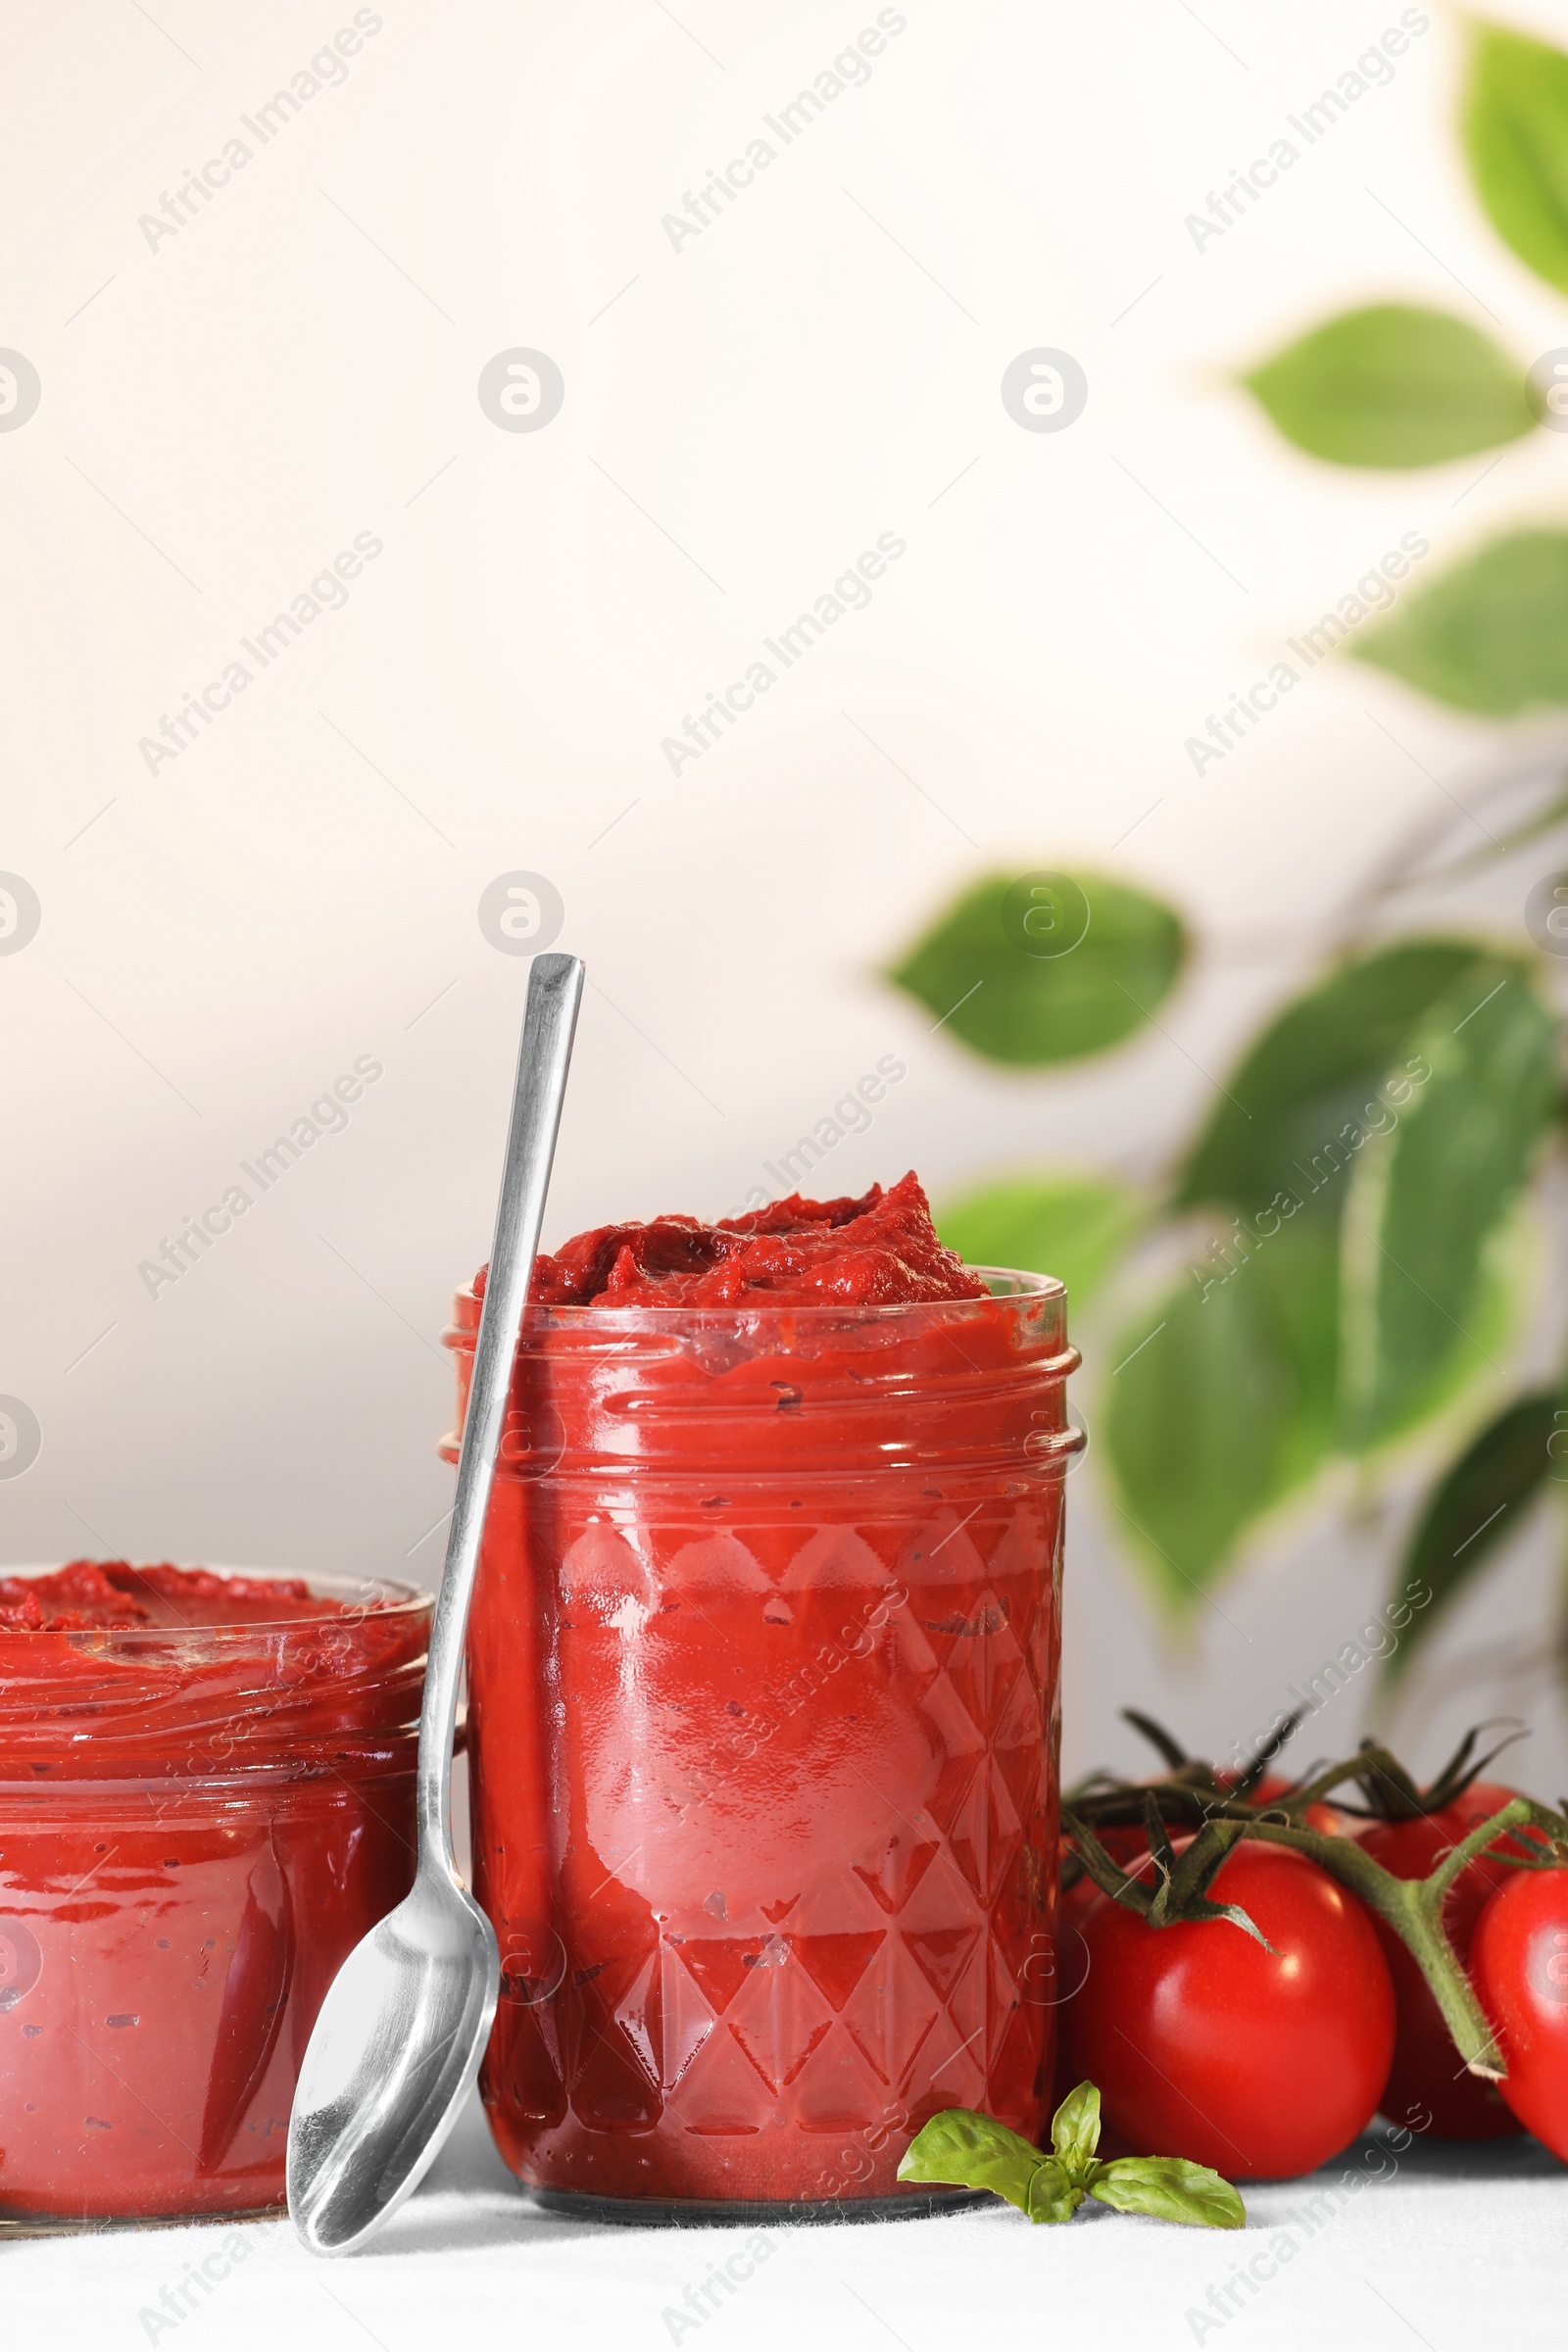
{"x":397,"y":2044}
{"x":400,"y":2036}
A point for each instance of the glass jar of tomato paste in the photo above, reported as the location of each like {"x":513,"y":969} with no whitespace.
{"x":206,"y":1799}
{"x":762,"y":1676}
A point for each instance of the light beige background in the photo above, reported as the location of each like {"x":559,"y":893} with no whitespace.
{"x":223,"y":411}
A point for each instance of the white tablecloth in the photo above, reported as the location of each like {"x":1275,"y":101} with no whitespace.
{"x":1446,"y":2246}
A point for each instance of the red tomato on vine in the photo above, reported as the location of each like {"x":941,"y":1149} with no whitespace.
{"x":1519,"y":1964}
{"x":1261,"y":2064}
{"x":1427,"y":2079}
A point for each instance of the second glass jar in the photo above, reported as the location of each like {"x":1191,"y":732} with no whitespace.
{"x":764,"y":1676}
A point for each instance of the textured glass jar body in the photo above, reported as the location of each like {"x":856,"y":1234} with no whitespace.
{"x":762,"y":1737}
{"x":196,"y":1827}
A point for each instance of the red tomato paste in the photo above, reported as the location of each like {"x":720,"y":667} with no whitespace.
{"x":205,"y":1798}
{"x":880,"y":1251}
{"x":762,"y":1704}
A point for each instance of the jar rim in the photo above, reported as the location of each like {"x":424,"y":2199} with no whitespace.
{"x":383,"y":1597}
{"x":1003,"y":1284}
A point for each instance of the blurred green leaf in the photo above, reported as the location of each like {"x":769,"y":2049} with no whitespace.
{"x":1394,"y":386}
{"x":1221,"y":1400}
{"x":1427,"y":1196}
{"x":1506,"y":1262}
{"x":1074,"y":1227}
{"x":1312,"y":1072}
{"x":1516,"y":135}
{"x":1478,"y":1506}
{"x":1491,"y":635}
{"x":993,"y":972}
{"x":1357,"y":1287}
{"x":1299,"y":1270}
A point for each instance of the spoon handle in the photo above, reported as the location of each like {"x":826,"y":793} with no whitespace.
{"x":555,"y":992}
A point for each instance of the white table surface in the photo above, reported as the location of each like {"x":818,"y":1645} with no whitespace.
{"x":1450,"y":2247}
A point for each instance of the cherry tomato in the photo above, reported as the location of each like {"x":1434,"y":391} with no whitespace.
{"x":1429,"y":2085}
{"x":1204,"y":2045}
{"x":1519,"y":1960}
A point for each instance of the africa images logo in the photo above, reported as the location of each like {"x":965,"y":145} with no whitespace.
{"x":522,"y":390}
{"x":20,"y":390}
{"x":20,"y":915}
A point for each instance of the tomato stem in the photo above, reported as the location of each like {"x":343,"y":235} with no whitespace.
{"x":1411,"y":1907}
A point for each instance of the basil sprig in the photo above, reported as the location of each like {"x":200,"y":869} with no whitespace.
{"x":973,"y":2151}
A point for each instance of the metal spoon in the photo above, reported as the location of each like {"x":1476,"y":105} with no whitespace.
{"x":399,"y":2037}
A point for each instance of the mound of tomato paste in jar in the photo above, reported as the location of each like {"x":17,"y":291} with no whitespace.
{"x":762,"y":1694}
{"x":878,"y":1251}
{"x":88,"y":1594}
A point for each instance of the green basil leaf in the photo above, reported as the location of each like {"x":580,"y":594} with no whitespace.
{"x":1491,"y":635}
{"x":1075,"y":2128}
{"x":972,"y":2151}
{"x":1478,"y":1506}
{"x":1394,"y":386}
{"x":1053,"y":2194}
{"x":1314,"y":1068}
{"x":1074,"y":1227}
{"x":1429,"y":1196}
{"x":1170,"y":2189}
{"x":1221,"y":1400}
{"x":1043,"y":968}
{"x":1516,"y":136}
